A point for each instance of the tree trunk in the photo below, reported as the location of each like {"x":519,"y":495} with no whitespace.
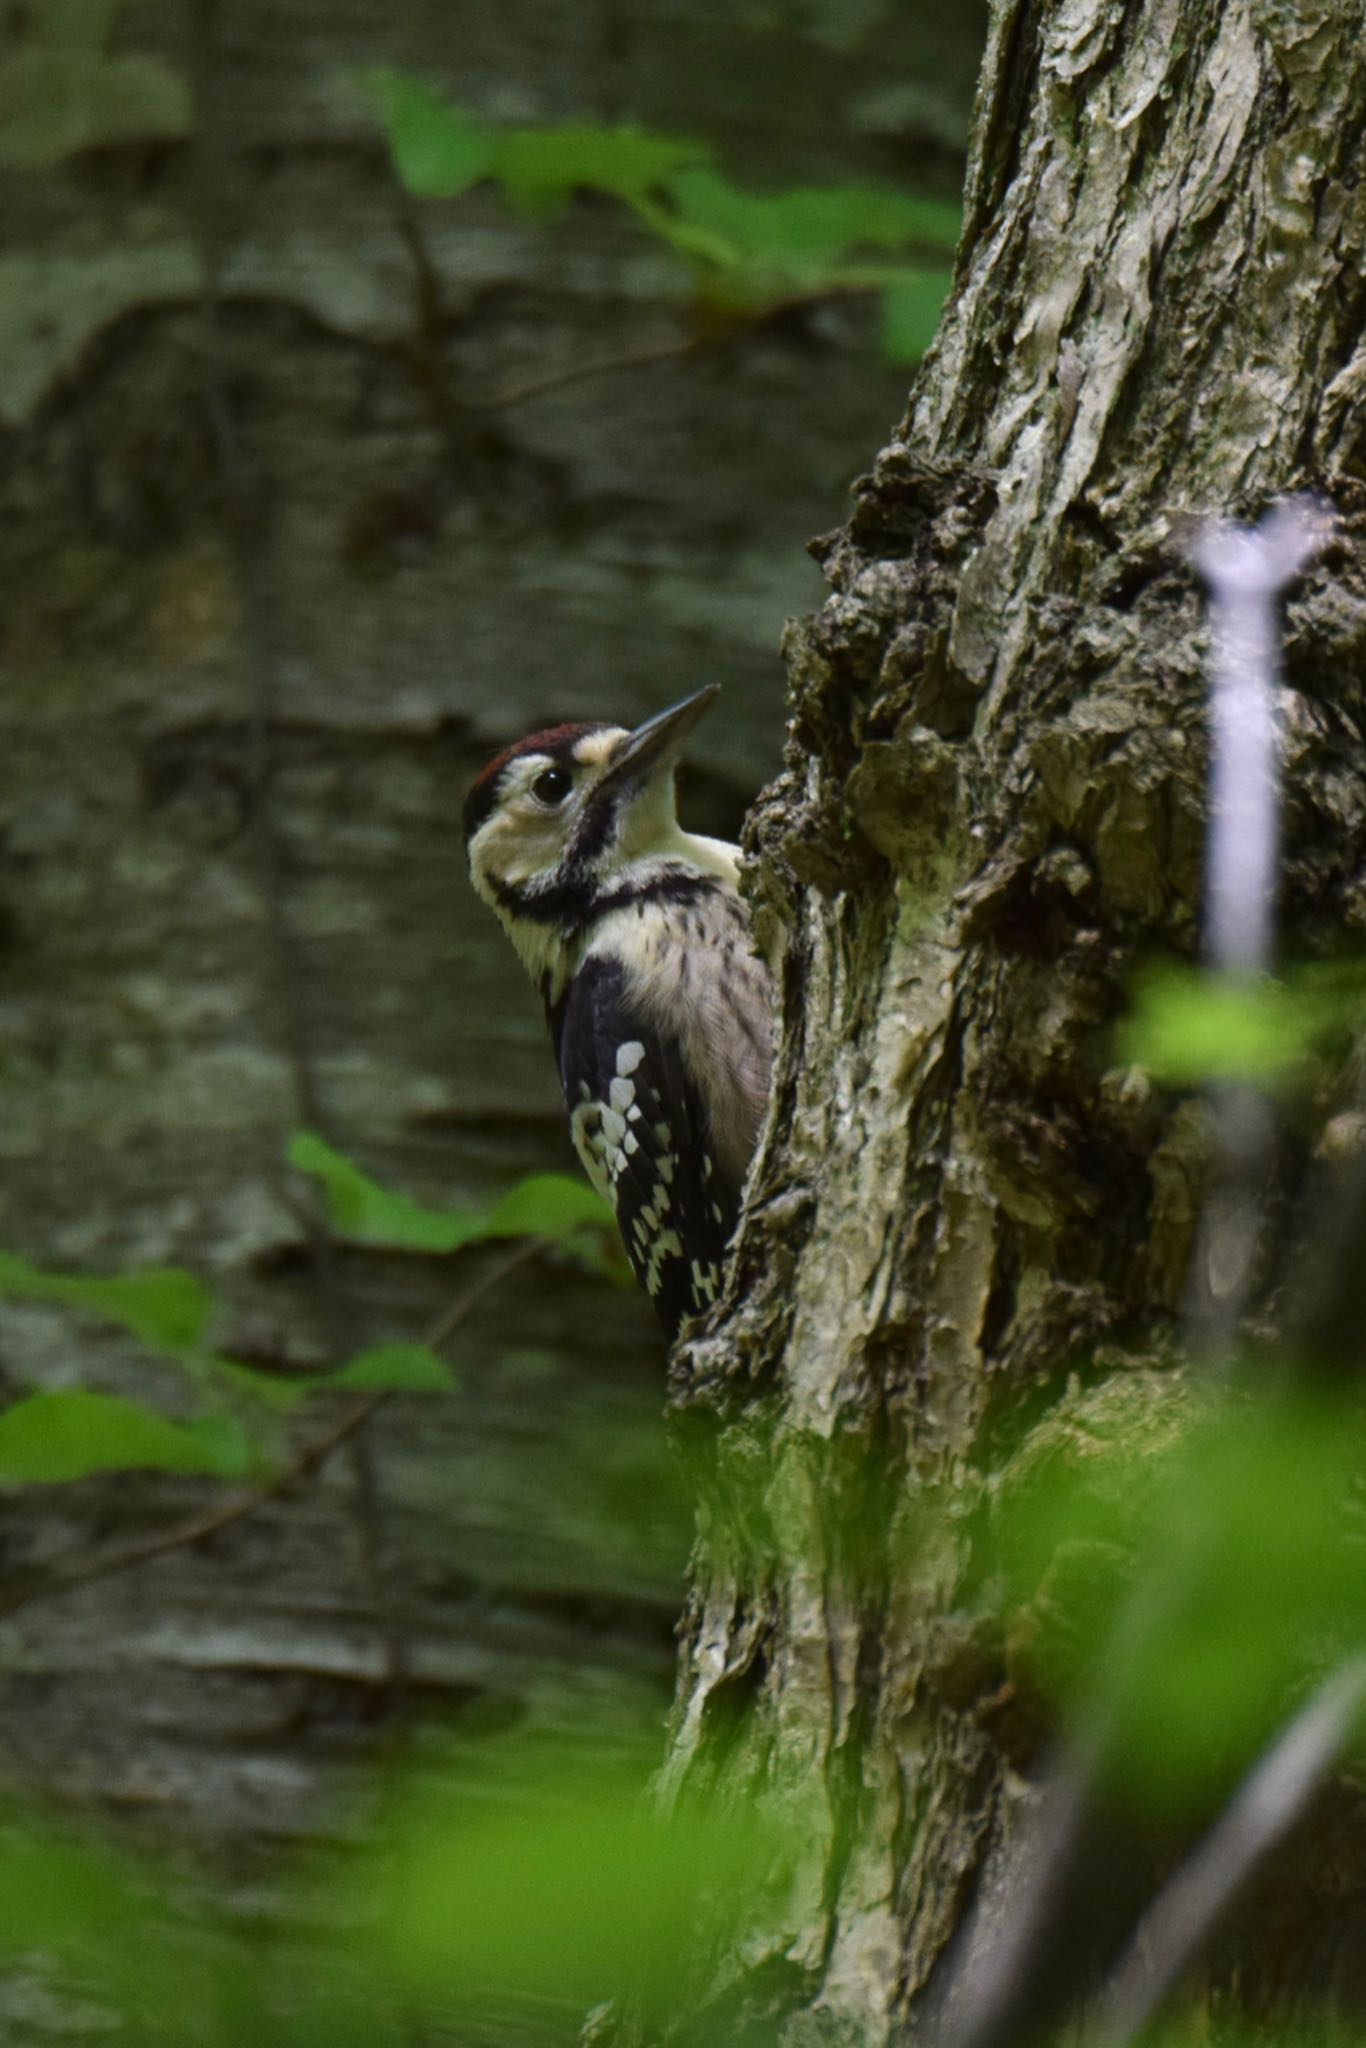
{"x":970,"y":1226}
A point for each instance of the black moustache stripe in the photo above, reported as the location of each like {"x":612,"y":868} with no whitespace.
{"x":598,"y":825}
{"x":568,"y":901}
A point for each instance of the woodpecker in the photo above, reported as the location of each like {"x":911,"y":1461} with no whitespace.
{"x":636,"y":936}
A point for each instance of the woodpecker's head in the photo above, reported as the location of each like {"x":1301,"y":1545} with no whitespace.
{"x":577,"y":819}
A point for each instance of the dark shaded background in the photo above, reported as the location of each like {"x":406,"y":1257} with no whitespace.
{"x":287,"y":546}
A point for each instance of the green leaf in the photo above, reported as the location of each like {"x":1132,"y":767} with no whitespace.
{"x":548,"y":1205}
{"x":541,"y":167}
{"x":911,"y":307}
{"x":275,"y":1392}
{"x":72,"y":1433}
{"x":165,"y":1307}
{"x":439,"y":151}
{"x":804,"y":233}
{"x":598,"y":1250}
{"x":392,"y":1368}
{"x":234,"y":1452}
{"x":366,"y":1213}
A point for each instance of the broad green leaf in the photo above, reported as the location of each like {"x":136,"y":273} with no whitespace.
{"x":804,"y":233}
{"x":911,"y":307}
{"x":277,"y":1392}
{"x":72,"y":1433}
{"x":368,"y":1214}
{"x":226,"y":1440}
{"x":541,"y":167}
{"x":165,"y":1307}
{"x":392,"y":1368}
{"x":383,"y":1368}
{"x":549,"y":1205}
{"x":439,"y":150}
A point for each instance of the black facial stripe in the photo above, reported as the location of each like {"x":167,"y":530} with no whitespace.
{"x":681,"y":887}
{"x":597,"y":826}
{"x":565,"y":903}
{"x":571,"y":901}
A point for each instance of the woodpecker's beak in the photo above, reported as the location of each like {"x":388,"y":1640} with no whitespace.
{"x":659,"y":742}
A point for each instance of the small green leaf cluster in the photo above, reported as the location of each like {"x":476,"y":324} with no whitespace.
{"x":747,"y":252}
{"x":68,"y":1433}
{"x":1189,"y":1026}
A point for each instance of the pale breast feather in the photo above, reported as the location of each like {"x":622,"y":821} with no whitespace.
{"x":640,"y":1128}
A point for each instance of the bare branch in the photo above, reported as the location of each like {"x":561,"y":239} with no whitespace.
{"x":1273,"y":1797}
{"x":673,"y":350}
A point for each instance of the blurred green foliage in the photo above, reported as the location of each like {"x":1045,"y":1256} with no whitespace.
{"x":1177,"y":1565}
{"x":530,"y":1883}
{"x":497,"y":1887}
{"x":747,"y":252}
{"x":1189,"y":1026}
{"x":55,"y":1435}
{"x":1188,"y":1579}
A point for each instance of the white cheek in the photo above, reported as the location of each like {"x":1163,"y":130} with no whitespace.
{"x":530,"y":840}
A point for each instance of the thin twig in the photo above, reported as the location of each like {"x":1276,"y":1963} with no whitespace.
{"x":432,"y":318}
{"x":84,"y":1567}
{"x":592,"y":366}
{"x":679,"y":347}
{"x":1273,"y":1797}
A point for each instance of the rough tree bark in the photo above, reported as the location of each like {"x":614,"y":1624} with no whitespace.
{"x":965,"y":1214}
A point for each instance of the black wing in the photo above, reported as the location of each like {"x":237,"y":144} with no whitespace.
{"x":640,"y":1130}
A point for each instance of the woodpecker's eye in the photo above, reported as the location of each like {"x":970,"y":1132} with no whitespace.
{"x":552,"y":785}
